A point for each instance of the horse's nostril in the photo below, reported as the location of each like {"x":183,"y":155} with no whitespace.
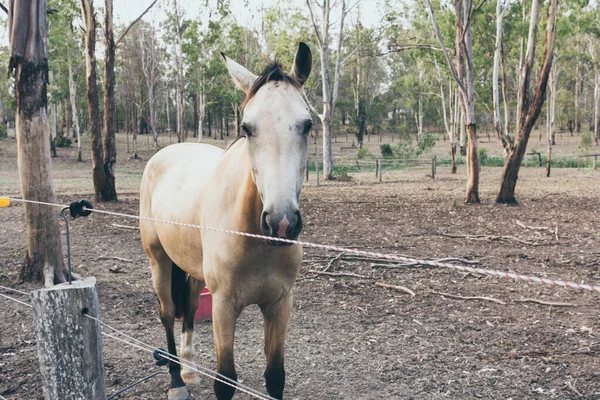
{"x":264,"y":224}
{"x":296,"y":226}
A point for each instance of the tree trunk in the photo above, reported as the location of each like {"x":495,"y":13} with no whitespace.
{"x":209,"y":124}
{"x":29,"y":62}
{"x":98,"y":175}
{"x":521,"y":54}
{"x":53,"y":134}
{"x":529,"y":109}
{"x":201,"y":112}
{"x":551,"y":115}
{"x":596,"y":95}
{"x":577,"y":84}
{"x":502,"y":136}
{"x":472,"y":166}
{"x":179,"y":60}
{"x":329,"y":95}
{"x":109,"y":192}
{"x":136,"y":130}
{"x":463,"y":136}
{"x":327,"y":148}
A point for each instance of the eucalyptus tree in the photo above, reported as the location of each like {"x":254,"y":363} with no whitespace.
{"x":330,"y":92}
{"x":149,"y":53}
{"x":529,"y":107}
{"x":27,"y":30}
{"x":361,"y":63}
{"x":463,"y":73}
{"x":104,"y":185}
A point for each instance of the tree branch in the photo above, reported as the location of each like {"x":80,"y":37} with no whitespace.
{"x":540,"y":90}
{"x":338,"y":61}
{"x":405,"y":47}
{"x":309,"y":104}
{"x":135,"y":21}
{"x":436,"y":28}
{"x":314,"y":22}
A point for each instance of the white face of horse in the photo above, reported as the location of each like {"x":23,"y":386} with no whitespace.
{"x":277,"y":122}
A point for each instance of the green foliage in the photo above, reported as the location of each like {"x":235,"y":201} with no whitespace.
{"x":341,"y":173}
{"x":405,"y":150}
{"x":63,"y":141}
{"x":3,"y":133}
{"x":483,"y":155}
{"x":427,"y":143}
{"x":587,"y":141}
{"x":386,"y":150}
{"x":363,"y":153}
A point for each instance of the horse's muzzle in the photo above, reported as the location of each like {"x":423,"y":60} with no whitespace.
{"x":286,"y":225}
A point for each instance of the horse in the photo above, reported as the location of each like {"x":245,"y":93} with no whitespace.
{"x":253,"y":186}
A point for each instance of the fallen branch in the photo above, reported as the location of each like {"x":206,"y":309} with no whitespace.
{"x":135,"y":228}
{"x":571,"y":385}
{"x":334,"y":259}
{"x":396,"y":287}
{"x":488,"y":237}
{"x":312,"y":271}
{"x":535,"y":228}
{"x":114,"y":258}
{"x":455,"y":296}
{"x":416,"y":264}
{"x":545,"y":303}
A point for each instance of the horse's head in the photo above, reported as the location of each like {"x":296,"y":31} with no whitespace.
{"x":276,"y":122}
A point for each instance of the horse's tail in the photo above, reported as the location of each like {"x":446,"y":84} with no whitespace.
{"x":179,"y":290}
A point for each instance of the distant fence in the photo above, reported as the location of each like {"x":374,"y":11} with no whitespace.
{"x":378,"y":166}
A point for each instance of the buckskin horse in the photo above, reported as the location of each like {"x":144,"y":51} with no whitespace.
{"x":253,"y":187}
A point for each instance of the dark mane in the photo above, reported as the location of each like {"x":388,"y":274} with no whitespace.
{"x":272,"y":73}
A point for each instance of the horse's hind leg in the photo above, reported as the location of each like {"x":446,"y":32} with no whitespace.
{"x":166,"y":277}
{"x":224,"y":318}
{"x":276,"y":317}
{"x":187,"y":347}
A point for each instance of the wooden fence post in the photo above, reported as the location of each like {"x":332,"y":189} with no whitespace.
{"x":380,"y":172}
{"x":433,"y":166}
{"x":307,"y":170}
{"x":376,"y":168}
{"x":69,"y":343}
{"x":595,"y":161}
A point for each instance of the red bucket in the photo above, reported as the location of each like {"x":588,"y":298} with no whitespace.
{"x":204,"y":310}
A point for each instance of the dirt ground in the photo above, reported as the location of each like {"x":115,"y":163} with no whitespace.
{"x":349,"y":339}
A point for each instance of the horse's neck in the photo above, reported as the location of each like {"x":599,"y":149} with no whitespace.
{"x":247,"y":204}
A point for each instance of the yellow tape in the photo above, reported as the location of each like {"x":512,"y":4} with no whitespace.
{"x":4,"y":202}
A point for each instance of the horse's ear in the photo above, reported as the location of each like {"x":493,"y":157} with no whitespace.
{"x":242,"y":78}
{"x":302,"y":63}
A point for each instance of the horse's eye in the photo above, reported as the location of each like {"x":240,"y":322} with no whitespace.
{"x":246,"y":130}
{"x":307,"y":127}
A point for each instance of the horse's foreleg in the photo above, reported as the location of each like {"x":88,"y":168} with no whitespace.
{"x":187,"y":347}
{"x":276,"y":318}
{"x":224,"y":318}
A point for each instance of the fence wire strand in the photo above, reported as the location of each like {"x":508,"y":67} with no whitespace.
{"x":14,"y":290}
{"x":393,"y":257}
{"x":185,"y":363}
{"x":166,"y":355}
{"x":15,"y":300}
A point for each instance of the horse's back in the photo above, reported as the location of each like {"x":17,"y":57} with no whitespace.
{"x":181,"y":162}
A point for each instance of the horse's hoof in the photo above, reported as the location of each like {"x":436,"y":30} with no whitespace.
{"x":191,"y":377}
{"x":179,"y":393}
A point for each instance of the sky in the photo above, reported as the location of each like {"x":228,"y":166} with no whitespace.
{"x":246,"y":12}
